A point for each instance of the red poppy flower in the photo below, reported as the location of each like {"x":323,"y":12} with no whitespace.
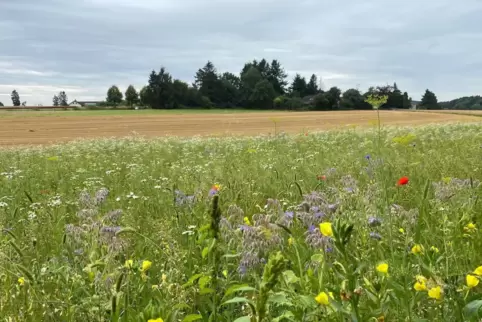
{"x":402,"y":181}
{"x":321,"y":177}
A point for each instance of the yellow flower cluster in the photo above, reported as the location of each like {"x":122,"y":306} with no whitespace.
{"x":420,"y":285}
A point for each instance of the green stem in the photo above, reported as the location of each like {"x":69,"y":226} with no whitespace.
{"x":300,"y":267}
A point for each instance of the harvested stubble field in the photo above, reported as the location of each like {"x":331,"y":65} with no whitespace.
{"x":38,"y":128}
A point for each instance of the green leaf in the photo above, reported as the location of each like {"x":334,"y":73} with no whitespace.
{"x":192,"y":317}
{"x":204,"y":228}
{"x":242,"y":300}
{"x":125,"y":230}
{"x":290,"y":277}
{"x":193,"y":279}
{"x":203,"y":281}
{"x":245,"y":318}
{"x":239,"y":288}
{"x":280,"y":298}
{"x":317,"y":258}
{"x":205,"y":291}
{"x":288,"y":315}
{"x":231,"y":255}
{"x":472,"y":309}
{"x":238,"y":300}
{"x":205,"y":252}
{"x":306,"y":301}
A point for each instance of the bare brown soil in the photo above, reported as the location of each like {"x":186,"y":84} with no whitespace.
{"x":60,"y":128}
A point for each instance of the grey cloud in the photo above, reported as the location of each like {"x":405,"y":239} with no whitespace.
{"x":85,"y":46}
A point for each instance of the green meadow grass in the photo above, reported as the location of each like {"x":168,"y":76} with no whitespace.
{"x":133,"y":230}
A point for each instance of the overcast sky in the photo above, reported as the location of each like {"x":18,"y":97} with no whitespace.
{"x":84,"y":46}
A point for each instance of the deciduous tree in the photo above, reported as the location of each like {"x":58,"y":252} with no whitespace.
{"x":131,"y":95}
{"x":114,"y":95}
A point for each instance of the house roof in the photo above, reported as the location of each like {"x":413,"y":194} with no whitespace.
{"x":84,"y":102}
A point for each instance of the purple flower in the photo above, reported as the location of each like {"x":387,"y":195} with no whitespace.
{"x":110,"y":230}
{"x":375,"y":236}
{"x":311,"y":228}
{"x":289,"y":214}
{"x":374,"y":222}
{"x":245,"y":228}
{"x":368,"y":157}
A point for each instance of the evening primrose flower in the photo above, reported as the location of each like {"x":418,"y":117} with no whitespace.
{"x":478,"y":271}
{"x":21,"y":281}
{"x":246,"y":221}
{"x":146,"y":265}
{"x":326,"y":230}
{"x":435,"y":293}
{"x":471,"y":281}
{"x":417,"y":249}
{"x":434,"y":249}
{"x":155,"y":320}
{"x":382,"y":268}
{"x":420,"y":285}
{"x":323,"y":298}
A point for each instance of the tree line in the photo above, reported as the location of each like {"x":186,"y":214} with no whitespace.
{"x":259,"y":85}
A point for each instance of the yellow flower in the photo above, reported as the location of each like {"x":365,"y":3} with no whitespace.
{"x":129,"y":263}
{"x":217,"y":187}
{"x":164,"y":278}
{"x":21,"y":281}
{"x":434,"y":249}
{"x":323,"y":299}
{"x":402,"y":231}
{"x":472,"y":281}
{"x":435,"y":293}
{"x":470,"y":228}
{"x":478,"y":271}
{"x":246,"y":221}
{"x":417,"y":249}
{"x":155,"y":320}
{"x":291,"y":241}
{"x":325,"y":229}
{"x":382,"y":268}
{"x":145,"y":266}
{"x":419,"y":287}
